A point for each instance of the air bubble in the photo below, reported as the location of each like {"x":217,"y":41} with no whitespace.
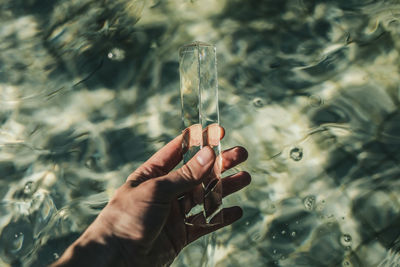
{"x":90,"y":163}
{"x":346,"y":263}
{"x":116,"y":54}
{"x":283,"y":232}
{"x":258,"y":102}
{"x":18,"y":241}
{"x":315,"y":101}
{"x":309,"y":202}
{"x":28,"y":188}
{"x":345,"y":240}
{"x":270,"y":209}
{"x":296,"y":153}
{"x":293,"y":234}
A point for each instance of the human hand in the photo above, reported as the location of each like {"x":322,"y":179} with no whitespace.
{"x":144,"y":222}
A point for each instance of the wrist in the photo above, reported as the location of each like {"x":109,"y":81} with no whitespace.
{"x":93,"y":248}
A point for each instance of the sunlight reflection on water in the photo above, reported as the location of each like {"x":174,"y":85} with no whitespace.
{"x":310,"y":88}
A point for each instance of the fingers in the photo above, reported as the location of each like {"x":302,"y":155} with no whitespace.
{"x":232,"y":157}
{"x":230,"y":184}
{"x":228,"y":159}
{"x":212,"y":134}
{"x":164,"y":160}
{"x":192,"y":136}
{"x":230,"y":215}
{"x":196,"y":136}
{"x":235,"y":182}
{"x":189,"y":175}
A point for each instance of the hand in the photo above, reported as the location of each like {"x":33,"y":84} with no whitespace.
{"x":143,"y":224}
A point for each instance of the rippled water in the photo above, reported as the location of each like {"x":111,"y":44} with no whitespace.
{"x":310,"y":88}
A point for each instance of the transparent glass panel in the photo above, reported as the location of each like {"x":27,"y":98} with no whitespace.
{"x":200,"y":117}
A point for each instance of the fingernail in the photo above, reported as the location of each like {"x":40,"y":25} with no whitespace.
{"x":204,"y":156}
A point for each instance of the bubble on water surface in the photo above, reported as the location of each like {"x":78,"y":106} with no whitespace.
{"x":258,"y":102}
{"x":270,"y":209}
{"x":116,"y":54}
{"x":17,"y":241}
{"x":346,"y":263}
{"x":345,"y":240}
{"x":315,"y":101}
{"x":90,"y":163}
{"x":309,"y":202}
{"x":28,"y":188}
{"x":296,"y":153}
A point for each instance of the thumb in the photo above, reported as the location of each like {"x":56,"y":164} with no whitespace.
{"x":190,"y":174}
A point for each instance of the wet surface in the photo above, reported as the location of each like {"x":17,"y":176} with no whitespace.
{"x":310,"y":88}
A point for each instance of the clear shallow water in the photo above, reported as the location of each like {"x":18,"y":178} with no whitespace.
{"x":310,"y":88}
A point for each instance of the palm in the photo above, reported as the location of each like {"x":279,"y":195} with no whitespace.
{"x":172,"y":238}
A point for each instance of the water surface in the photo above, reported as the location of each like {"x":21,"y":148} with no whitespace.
{"x":310,"y":88}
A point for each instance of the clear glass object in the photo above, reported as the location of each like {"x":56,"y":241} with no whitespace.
{"x":200,"y":117}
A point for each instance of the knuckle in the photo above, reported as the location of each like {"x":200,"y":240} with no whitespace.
{"x":187,"y":173}
{"x":152,"y":187}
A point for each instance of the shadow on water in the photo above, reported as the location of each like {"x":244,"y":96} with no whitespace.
{"x":281,"y":44}
{"x":112,"y":99}
{"x":120,"y":144}
{"x":357,"y":160}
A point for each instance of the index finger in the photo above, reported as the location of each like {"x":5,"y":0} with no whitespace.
{"x":163,"y":161}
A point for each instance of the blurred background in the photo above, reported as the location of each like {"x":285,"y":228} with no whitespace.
{"x":90,"y":89}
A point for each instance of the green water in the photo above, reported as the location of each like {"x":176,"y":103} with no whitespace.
{"x":310,"y":88}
